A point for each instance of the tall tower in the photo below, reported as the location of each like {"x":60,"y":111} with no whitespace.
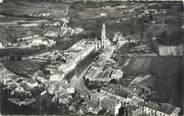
{"x":103,"y":35}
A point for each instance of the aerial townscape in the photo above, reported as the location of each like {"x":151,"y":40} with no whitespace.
{"x":91,"y":57}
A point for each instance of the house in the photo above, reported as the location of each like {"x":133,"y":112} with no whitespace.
{"x":35,"y":40}
{"x":99,"y":101}
{"x":133,"y":110}
{"x":65,"y":98}
{"x":117,"y":74}
{"x":171,"y":50}
{"x":103,"y":14}
{"x":93,"y":102}
{"x":59,"y":87}
{"x":96,"y":74}
{"x":27,"y":38}
{"x":111,"y":105}
{"x":127,"y":39}
{"x":93,"y":107}
{"x":56,"y":77}
{"x":70,"y":90}
{"x":29,"y":85}
{"x":162,"y":109}
{"x":97,"y":97}
{"x":19,"y":89}
{"x":115,"y":91}
{"x":1,"y":45}
{"x":182,"y":26}
{"x":102,"y":73}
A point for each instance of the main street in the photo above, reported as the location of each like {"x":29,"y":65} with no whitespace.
{"x":78,"y":78}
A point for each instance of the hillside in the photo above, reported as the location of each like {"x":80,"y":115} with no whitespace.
{"x":167,"y":73}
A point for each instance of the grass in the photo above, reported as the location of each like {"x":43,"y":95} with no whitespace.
{"x":167,"y":72}
{"x":26,"y":68}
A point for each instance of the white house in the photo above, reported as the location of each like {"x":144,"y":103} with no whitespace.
{"x":163,"y":109}
{"x":1,"y":45}
{"x":170,"y":50}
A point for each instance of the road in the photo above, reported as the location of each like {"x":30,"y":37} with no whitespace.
{"x":78,"y":80}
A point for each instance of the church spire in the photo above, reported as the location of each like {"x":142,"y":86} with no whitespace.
{"x":103,"y":34}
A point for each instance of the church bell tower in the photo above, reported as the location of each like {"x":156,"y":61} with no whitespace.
{"x":103,"y":35}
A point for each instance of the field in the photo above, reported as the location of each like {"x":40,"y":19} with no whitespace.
{"x":25,"y":68}
{"x":20,"y":8}
{"x":167,"y":71}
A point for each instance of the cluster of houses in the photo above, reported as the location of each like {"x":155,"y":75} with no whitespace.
{"x":39,"y":14}
{"x":34,"y":40}
{"x":129,"y":104}
{"x":171,"y":50}
{"x":61,"y":90}
{"x":20,"y":88}
{"x":116,"y":98}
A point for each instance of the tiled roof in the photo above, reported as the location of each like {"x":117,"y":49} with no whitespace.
{"x":115,"y":89}
{"x":93,"y":104}
{"x":108,"y":102}
{"x":162,"y":107}
{"x":131,"y":107}
{"x":167,"y":108}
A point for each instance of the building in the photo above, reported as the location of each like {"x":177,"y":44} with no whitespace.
{"x":116,"y":74}
{"x":103,"y":35}
{"x":162,"y":109}
{"x":64,"y":98}
{"x":57,"y":88}
{"x":65,"y":62}
{"x":118,"y":39}
{"x":95,"y":74}
{"x":100,"y":74}
{"x":115,"y":91}
{"x":27,"y":38}
{"x":56,"y":77}
{"x":108,"y":47}
{"x":182,"y":26}
{"x":93,"y":107}
{"x":19,"y":87}
{"x":133,"y":110}
{"x":111,"y":105}
{"x":30,"y":24}
{"x":94,"y":102}
{"x":29,"y":85}
{"x":52,"y":33}
{"x":46,"y":42}
{"x":6,"y":76}
{"x":98,"y":43}
{"x":44,"y":14}
{"x":100,"y":101}
{"x":75,"y":55}
{"x":170,"y":50}
{"x":35,"y":40}
{"x":1,"y":45}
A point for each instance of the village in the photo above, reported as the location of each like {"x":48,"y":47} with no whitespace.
{"x":108,"y":73}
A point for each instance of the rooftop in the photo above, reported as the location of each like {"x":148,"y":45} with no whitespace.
{"x":131,"y":107}
{"x":96,"y":74}
{"x":97,"y":95}
{"x":74,"y":54}
{"x":108,"y":102}
{"x":163,"y":107}
{"x":115,"y":89}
